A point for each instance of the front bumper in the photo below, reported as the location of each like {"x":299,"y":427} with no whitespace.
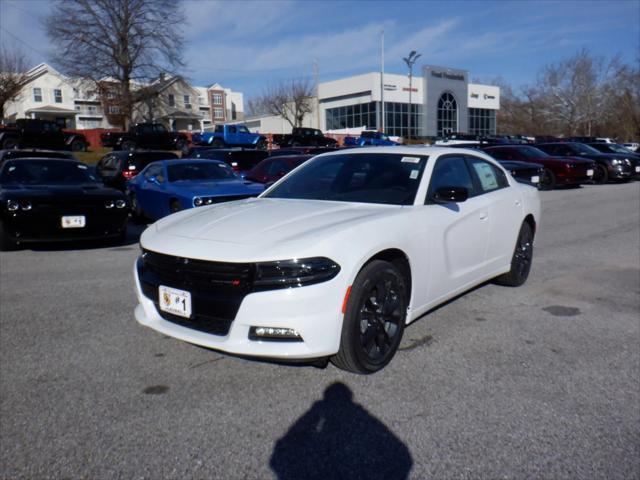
{"x":621,"y":172}
{"x":314,"y":311}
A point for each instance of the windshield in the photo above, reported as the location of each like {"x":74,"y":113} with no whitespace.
{"x":200,"y":171}
{"x":388,"y":178}
{"x":46,"y":172}
{"x":532,"y":152}
{"x":618,"y":148}
{"x":585,"y":149}
{"x":243,"y":129}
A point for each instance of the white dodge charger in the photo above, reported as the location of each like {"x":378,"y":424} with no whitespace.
{"x":338,"y":256}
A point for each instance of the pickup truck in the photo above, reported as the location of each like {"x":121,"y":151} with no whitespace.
{"x":230,"y":136}
{"x":370,"y":138}
{"x":304,"y":137}
{"x":34,"y":133}
{"x":149,"y":136}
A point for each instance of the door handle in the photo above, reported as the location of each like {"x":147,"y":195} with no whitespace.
{"x":484,"y":215}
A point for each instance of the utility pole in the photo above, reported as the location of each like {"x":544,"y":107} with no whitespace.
{"x":382,"y":82}
{"x":410,"y":60}
{"x":317,"y":91}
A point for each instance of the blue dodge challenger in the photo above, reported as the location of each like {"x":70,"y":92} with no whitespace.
{"x":168,"y":186}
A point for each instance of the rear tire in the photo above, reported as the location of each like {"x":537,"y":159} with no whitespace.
{"x":374,"y":319}
{"x":262,"y":144}
{"x":78,"y":146}
{"x":217,"y":143}
{"x":521,"y":259}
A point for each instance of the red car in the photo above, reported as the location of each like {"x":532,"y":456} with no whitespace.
{"x":557,"y":170}
{"x":274,"y":168}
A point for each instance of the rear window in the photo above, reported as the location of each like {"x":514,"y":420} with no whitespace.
{"x":141,"y":160}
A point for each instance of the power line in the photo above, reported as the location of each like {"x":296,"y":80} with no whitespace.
{"x":15,"y":37}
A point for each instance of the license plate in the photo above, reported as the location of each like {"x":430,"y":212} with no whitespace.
{"x":172,"y":300}
{"x":638,"y":169}
{"x":535,"y":179}
{"x":73,"y":222}
{"x":589,"y":173}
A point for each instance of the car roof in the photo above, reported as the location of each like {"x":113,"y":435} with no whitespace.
{"x":180,"y":161}
{"x":404,"y":150}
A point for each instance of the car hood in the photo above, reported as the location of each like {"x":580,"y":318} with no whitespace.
{"x":219,"y":187}
{"x":517,"y":165}
{"x":85,"y":190}
{"x":265,"y":222}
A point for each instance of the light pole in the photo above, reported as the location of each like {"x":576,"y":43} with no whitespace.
{"x":410,"y":60}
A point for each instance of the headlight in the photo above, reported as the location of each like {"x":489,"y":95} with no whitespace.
{"x":121,"y":203}
{"x":616,"y":161}
{"x":109,"y":204}
{"x":12,"y":205}
{"x":197,"y":201}
{"x":294,"y":273}
{"x":26,"y":205}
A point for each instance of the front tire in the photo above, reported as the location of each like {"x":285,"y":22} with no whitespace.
{"x":548,"y":180}
{"x":521,"y":259}
{"x":183,"y":147}
{"x":374,"y":319}
{"x":174,"y":206}
{"x":217,"y":143}
{"x":600,"y":175}
{"x":128,"y":145}
{"x":10,"y":144}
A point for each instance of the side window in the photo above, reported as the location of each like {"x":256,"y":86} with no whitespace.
{"x":276,"y":167}
{"x":154,"y":171}
{"x":219,"y":129}
{"x":489,"y":177}
{"x":451,"y":171}
{"x":499,"y":154}
{"x":232,"y":129}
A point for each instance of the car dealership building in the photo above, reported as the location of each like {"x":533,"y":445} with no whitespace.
{"x":440,"y":101}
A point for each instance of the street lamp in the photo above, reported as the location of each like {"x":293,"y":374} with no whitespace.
{"x":410,"y":60}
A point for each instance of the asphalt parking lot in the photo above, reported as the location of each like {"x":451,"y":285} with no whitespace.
{"x":542,"y":381}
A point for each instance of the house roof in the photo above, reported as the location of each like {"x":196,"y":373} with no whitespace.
{"x":51,"y":109}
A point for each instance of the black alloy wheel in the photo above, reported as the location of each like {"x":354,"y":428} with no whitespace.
{"x":295,"y":143}
{"x":600,"y":174}
{"x":521,"y":260}
{"x":262,"y":144}
{"x":548,"y":180}
{"x":374,"y":319}
{"x":217,"y":143}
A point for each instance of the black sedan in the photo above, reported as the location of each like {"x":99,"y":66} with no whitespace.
{"x":45,"y":200}
{"x":609,"y":166}
{"x":621,"y":150}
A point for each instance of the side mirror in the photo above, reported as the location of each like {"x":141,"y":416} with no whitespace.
{"x":450,"y":195}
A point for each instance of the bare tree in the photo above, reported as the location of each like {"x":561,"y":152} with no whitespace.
{"x":117,"y":44}
{"x":13,"y":73}
{"x":290,"y":99}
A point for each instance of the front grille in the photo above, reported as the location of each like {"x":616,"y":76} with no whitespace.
{"x":217,"y":288}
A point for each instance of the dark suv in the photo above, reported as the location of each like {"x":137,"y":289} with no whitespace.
{"x":117,"y":167}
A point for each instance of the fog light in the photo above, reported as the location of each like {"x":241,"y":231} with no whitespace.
{"x":121,"y":204}
{"x":109,"y":204}
{"x":12,"y":205}
{"x":274,"y":333}
{"x":209,"y":201}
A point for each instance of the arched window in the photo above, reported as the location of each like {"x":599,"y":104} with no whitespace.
{"x":447,"y":114}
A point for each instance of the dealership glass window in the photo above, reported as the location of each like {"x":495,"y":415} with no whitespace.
{"x":365,"y":114}
{"x":447,"y":114}
{"x":482,"y":121}
{"x":37,"y":95}
{"x":57,"y":95}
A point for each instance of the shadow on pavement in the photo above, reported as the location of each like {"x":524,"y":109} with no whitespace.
{"x":339,"y":439}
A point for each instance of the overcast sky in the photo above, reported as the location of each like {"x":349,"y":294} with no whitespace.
{"x":245,"y":44}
